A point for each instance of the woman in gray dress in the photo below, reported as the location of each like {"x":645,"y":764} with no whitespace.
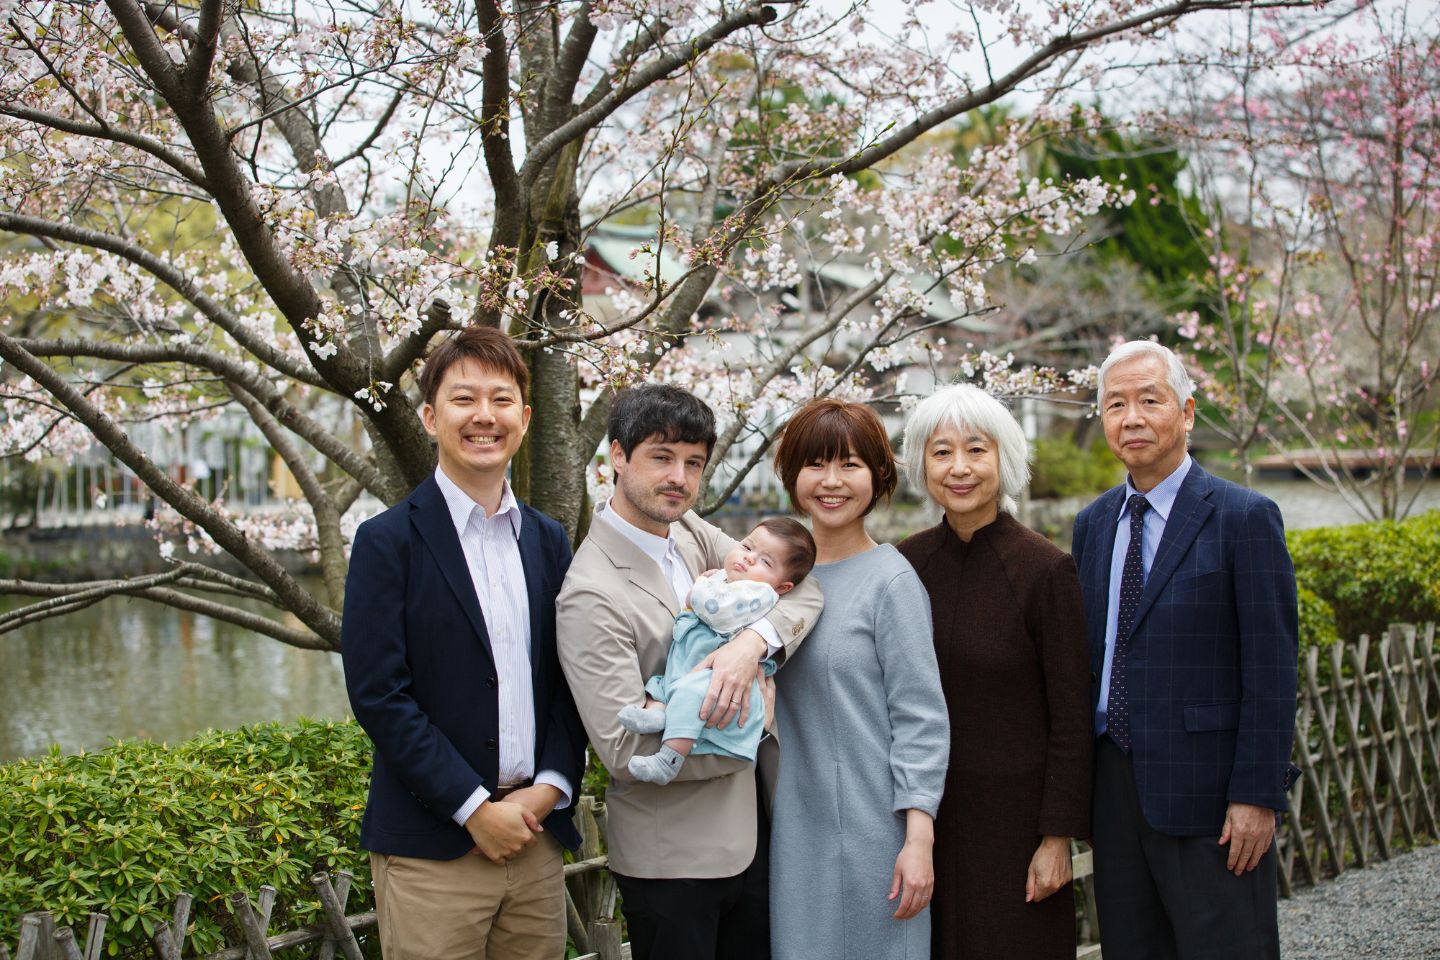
{"x":863,"y":727}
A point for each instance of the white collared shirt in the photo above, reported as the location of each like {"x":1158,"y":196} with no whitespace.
{"x":491,"y":545}
{"x":666,"y":554}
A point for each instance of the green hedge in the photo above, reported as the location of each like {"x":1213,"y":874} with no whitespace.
{"x":1060,"y":469}
{"x":1369,"y":575}
{"x":126,"y":830}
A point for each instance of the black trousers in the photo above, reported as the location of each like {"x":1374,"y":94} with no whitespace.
{"x":1170,"y":898}
{"x":714,"y":919}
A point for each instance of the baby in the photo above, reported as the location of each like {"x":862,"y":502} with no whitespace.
{"x":775,"y":556}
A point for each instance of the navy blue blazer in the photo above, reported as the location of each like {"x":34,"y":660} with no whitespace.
{"x":1212,"y":665}
{"x":421,"y":675}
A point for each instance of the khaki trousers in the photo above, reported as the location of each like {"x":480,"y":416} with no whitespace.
{"x":471,"y":908}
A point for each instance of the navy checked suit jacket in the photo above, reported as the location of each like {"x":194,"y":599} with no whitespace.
{"x":421,"y":675}
{"x":1212,"y":664}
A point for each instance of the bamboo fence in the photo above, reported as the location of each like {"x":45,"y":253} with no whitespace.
{"x":1367,"y":743}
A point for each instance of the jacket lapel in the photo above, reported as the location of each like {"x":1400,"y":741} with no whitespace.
{"x":432,"y":519}
{"x":1098,"y":578}
{"x":1189,"y":513}
{"x":533,"y":562}
{"x":643,"y":572}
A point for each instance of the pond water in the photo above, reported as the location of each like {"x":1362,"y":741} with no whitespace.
{"x":131,"y":668}
{"x":128,"y":668}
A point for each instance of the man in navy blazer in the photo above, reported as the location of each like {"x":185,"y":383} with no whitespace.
{"x":448,"y":642}
{"x":1191,"y":612}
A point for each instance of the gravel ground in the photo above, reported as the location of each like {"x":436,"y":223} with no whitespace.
{"x":1389,"y":910}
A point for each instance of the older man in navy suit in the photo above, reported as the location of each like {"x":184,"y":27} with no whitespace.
{"x":449,"y":649}
{"x":1190,"y":603}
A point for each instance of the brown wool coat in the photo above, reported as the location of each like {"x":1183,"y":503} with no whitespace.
{"x":1010,"y":641}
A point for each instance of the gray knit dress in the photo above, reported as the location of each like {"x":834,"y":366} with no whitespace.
{"x":864,"y":736}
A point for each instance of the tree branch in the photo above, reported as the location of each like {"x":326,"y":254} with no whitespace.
{"x":327,"y":517}
{"x":294,"y":419}
{"x":595,"y":425}
{"x":139,"y":141}
{"x":202,"y":53}
{"x":68,"y":594}
{"x":407,"y":351}
{"x":495,"y":127}
{"x":134,"y":21}
{"x":384,"y":121}
{"x":635,"y":83}
{"x":781,"y":363}
{"x":172,"y":277}
{"x":571,"y":60}
{"x":238,"y":585}
{"x":311,"y":612}
{"x":1037,"y":61}
{"x":254,"y":622}
{"x":69,"y":597}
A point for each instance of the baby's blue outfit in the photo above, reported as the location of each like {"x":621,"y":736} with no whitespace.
{"x":718,"y":610}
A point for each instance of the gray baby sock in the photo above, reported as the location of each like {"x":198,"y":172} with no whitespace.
{"x":640,"y":720}
{"x":658,"y":768}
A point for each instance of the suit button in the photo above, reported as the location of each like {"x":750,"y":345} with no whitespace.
{"x":490,"y":744}
{"x":490,"y":681}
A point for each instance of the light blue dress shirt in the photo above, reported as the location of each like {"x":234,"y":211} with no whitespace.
{"x":1161,"y":500}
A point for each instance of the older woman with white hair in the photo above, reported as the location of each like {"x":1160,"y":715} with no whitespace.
{"x":1010,"y":641}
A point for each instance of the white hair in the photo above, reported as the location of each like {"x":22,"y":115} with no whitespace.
{"x":967,"y":407}
{"x":1175,"y":371}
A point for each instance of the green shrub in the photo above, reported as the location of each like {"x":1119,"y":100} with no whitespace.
{"x":1317,"y":620}
{"x":1371,"y":574}
{"x":126,"y":830}
{"x":1061,"y":469}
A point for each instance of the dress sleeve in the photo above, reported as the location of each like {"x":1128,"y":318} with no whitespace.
{"x":919,"y":721}
{"x":1065,"y":665}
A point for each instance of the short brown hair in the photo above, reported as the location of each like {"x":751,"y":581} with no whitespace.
{"x":486,"y":346}
{"x":799,"y":545}
{"x":826,"y":429}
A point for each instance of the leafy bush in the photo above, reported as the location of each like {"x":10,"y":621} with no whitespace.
{"x":1061,"y":469}
{"x":1371,"y":574}
{"x":1317,"y":620}
{"x":126,"y":830}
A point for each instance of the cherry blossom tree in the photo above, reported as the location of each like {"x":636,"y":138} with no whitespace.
{"x":277,"y":207}
{"x":1325,"y":331}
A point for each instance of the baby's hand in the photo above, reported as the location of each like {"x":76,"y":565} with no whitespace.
{"x":712,"y":570}
{"x":650,"y":702}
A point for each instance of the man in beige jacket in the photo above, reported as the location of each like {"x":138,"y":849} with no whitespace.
{"x":689,"y":856}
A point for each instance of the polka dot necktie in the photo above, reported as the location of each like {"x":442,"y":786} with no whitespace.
{"x":1132,"y":584}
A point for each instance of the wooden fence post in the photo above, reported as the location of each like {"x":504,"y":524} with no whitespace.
{"x":65,"y":940}
{"x":68,"y":949}
{"x":169,"y":938}
{"x":594,"y":892}
{"x":339,"y":929}
{"x":37,"y":937}
{"x":1411,"y":770}
{"x":251,"y":924}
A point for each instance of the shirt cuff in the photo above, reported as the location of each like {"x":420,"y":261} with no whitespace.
{"x":471,"y":805}
{"x":771,"y":636}
{"x":559,"y":782}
